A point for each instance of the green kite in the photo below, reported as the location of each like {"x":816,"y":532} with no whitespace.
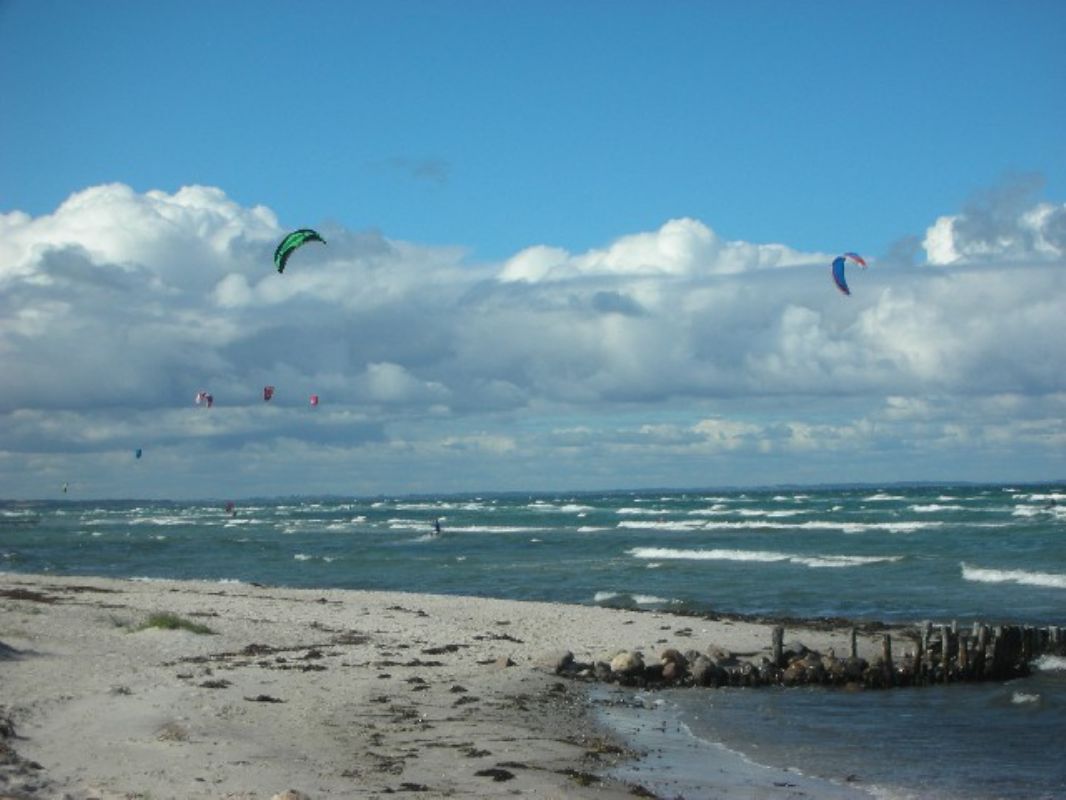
{"x":291,"y":242}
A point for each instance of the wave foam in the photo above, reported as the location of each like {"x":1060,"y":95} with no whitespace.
{"x":1046,"y":580}
{"x":1051,"y":663}
{"x":763,"y":556}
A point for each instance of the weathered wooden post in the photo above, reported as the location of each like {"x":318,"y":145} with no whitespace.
{"x":927,"y":666}
{"x":945,"y":653}
{"x":980,"y":651}
{"x":854,"y":642}
{"x":964,"y":656}
{"x":998,"y":657}
{"x":919,"y":661}
{"x":778,"y":646}
{"x":886,"y":658}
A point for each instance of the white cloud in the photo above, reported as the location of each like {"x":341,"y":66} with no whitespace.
{"x":1001,"y":226}
{"x":668,"y":344}
{"x":681,"y":247}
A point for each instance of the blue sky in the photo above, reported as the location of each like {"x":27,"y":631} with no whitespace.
{"x":595,"y":189}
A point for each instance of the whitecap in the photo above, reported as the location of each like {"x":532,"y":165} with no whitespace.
{"x":759,"y":556}
{"x":1020,"y":698}
{"x":1050,"y":663}
{"x":675,"y":525}
{"x":1045,"y":580}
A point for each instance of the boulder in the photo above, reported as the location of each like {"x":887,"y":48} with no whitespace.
{"x":628,"y":662}
{"x":673,"y":656}
{"x":673,"y":672}
{"x":558,"y":661}
{"x":704,"y":672}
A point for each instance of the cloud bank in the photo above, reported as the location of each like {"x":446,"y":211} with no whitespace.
{"x":669,"y":356}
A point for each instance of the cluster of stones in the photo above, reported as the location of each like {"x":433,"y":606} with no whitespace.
{"x":716,"y":668}
{"x":1000,"y":653}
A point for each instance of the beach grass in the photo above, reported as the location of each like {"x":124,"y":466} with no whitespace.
{"x":172,"y":622}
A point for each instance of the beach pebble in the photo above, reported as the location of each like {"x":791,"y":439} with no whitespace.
{"x":290,"y":794}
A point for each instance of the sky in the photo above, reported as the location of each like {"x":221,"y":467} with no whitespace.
{"x":570,"y":246}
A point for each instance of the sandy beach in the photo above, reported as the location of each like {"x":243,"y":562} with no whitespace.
{"x":326,"y":693}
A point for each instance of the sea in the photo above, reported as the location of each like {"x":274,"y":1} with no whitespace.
{"x":896,"y":553}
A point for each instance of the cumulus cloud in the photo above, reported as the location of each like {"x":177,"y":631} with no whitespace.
{"x":1001,"y":226}
{"x":681,"y":247}
{"x":118,"y":307}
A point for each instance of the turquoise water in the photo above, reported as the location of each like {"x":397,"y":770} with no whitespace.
{"x":941,"y":553}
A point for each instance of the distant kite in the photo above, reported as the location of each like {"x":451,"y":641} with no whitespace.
{"x":268,"y":392}
{"x":205,"y":399}
{"x":314,"y":401}
{"x":137,"y":452}
{"x":291,"y":242}
{"x":838,"y":269}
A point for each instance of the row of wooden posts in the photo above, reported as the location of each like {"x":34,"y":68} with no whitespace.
{"x":946,"y":654}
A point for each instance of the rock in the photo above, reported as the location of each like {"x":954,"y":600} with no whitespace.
{"x":673,"y":656}
{"x":721,"y":657}
{"x":793,"y":650}
{"x":601,"y":671}
{"x":704,"y":672}
{"x":557,"y":662}
{"x":628,"y":662}
{"x":854,"y":668}
{"x":673,"y":672}
{"x":290,"y":794}
{"x":506,"y":661}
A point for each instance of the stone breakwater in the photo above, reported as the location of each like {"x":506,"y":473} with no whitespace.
{"x":936,"y":654}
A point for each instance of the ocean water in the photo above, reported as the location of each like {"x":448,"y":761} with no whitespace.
{"x":900,"y":554}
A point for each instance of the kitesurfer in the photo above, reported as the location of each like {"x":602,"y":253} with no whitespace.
{"x":436,"y":527}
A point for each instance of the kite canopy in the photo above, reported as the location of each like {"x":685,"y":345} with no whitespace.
{"x":268,"y":392}
{"x":314,"y":400}
{"x":205,"y":399}
{"x":838,"y":269}
{"x":291,"y":242}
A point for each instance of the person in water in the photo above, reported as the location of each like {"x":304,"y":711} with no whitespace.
{"x":436,"y":527}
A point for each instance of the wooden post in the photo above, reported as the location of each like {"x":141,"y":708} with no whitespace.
{"x":927,"y":666}
{"x":778,"y":646}
{"x":919,"y":661}
{"x":964,"y":656}
{"x":998,"y":646}
{"x":982,"y":650}
{"x":945,"y":654}
{"x":886,"y":658}
{"x":854,"y":643}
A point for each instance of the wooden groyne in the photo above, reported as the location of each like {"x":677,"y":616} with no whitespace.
{"x":921,"y":656}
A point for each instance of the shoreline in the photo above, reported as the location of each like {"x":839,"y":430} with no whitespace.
{"x":327,"y":692}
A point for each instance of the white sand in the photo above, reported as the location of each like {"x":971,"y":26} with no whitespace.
{"x":379,"y":692}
